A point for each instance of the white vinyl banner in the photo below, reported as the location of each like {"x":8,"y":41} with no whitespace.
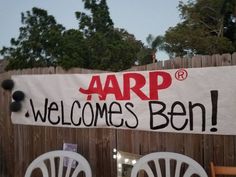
{"x":194,"y":100}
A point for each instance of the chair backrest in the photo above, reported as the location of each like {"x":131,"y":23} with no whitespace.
{"x":56,"y":167}
{"x":222,"y":170}
{"x":167,"y":163}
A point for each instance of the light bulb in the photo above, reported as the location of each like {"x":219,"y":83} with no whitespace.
{"x":133,"y":162}
{"x":118,"y":156}
{"x":114,"y":156}
{"x":126,"y":160}
{"x":114,"y":150}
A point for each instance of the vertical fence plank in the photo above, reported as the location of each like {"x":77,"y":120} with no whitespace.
{"x":218,"y":149}
{"x":144,"y":142}
{"x":233,"y":59}
{"x":217,"y":59}
{"x":168,"y":64}
{"x":206,"y":61}
{"x":229,"y":150}
{"x":160,"y":64}
{"x":177,"y":63}
{"x":174,"y":142}
{"x":185,"y":62}
{"x":124,"y":140}
{"x":196,"y":143}
{"x":6,"y":131}
{"x":156,"y":141}
{"x":197,"y":61}
{"x":226,"y":59}
{"x":208,"y":151}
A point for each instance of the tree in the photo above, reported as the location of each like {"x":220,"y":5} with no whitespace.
{"x":229,"y":12}
{"x":116,"y":50}
{"x":109,"y":48}
{"x":99,"y":21}
{"x":202,"y":30}
{"x":38,"y":43}
{"x":155,"y":43}
{"x":95,"y":45}
{"x":74,"y":52}
{"x":145,"y":56}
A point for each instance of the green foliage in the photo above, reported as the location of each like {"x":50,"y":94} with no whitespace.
{"x":108,"y":48}
{"x":95,"y":45}
{"x":73,"y":50}
{"x":115,"y":50}
{"x":204,"y":29}
{"x":229,"y":11}
{"x":99,"y":21}
{"x":145,"y":56}
{"x":154,"y":44}
{"x":38,"y":42}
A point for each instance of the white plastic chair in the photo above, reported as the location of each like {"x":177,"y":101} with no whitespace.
{"x":166,"y":158}
{"x":81,"y":164}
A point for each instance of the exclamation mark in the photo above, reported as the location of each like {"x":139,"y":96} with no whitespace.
{"x":214,"y":101}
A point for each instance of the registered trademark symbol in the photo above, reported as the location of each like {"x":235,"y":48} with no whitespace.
{"x":181,"y":74}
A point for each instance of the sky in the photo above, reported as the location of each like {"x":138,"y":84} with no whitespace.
{"x":138,"y":17}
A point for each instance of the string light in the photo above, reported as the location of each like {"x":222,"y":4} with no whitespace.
{"x":118,"y":156}
{"x":121,"y":159}
{"x":134,"y":162}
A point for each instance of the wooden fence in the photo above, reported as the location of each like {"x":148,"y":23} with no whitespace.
{"x":20,"y":144}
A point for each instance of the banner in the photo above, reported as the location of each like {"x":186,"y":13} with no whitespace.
{"x":194,"y":100}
